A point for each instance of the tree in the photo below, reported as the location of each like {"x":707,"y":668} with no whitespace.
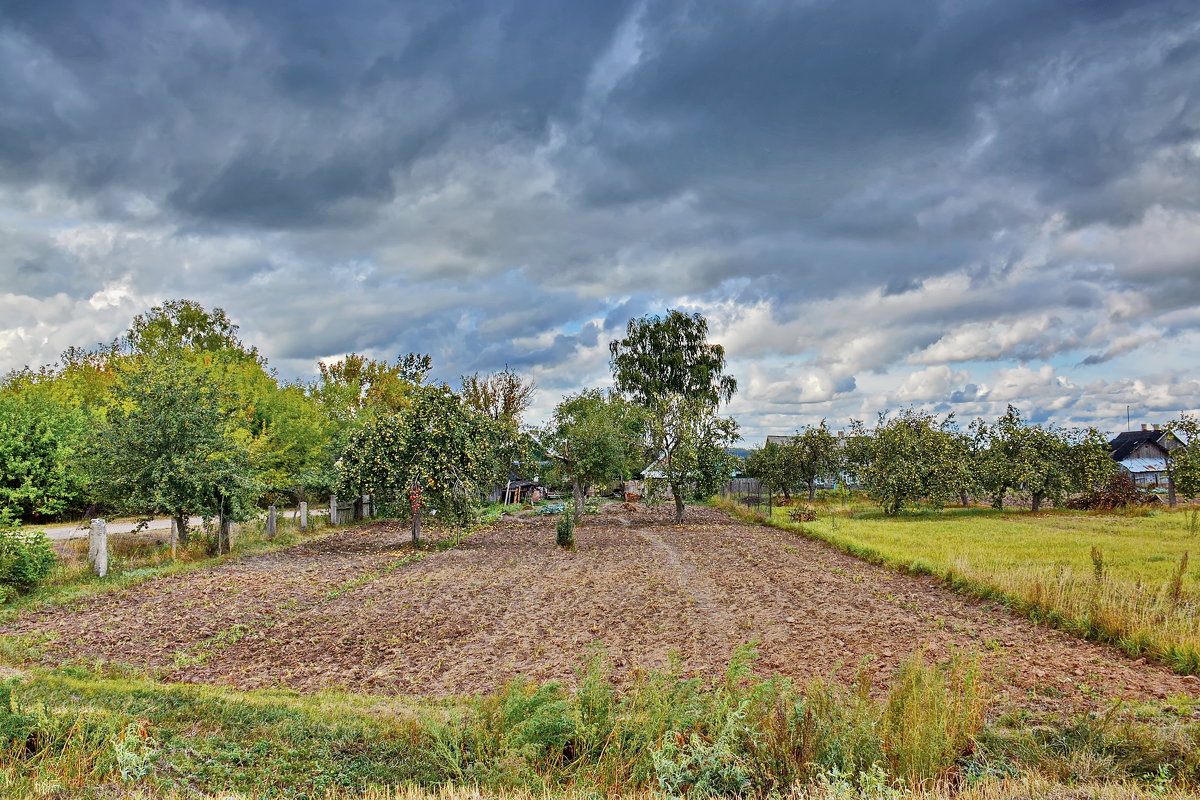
{"x":184,"y":325}
{"x":904,"y":459}
{"x":593,"y":438}
{"x":812,"y":455}
{"x":169,"y":447}
{"x":1089,"y":465}
{"x":40,"y":443}
{"x":293,"y":450}
{"x":667,"y":366}
{"x":361,"y":387}
{"x":503,"y":397}
{"x":1183,"y":464}
{"x":437,"y":453}
{"x":766,"y":465}
{"x":1018,"y":455}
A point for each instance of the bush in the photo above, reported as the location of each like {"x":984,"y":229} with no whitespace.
{"x":25,"y":559}
{"x":1119,"y":492}
{"x":805,"y":513}
{"x":566,"y":530}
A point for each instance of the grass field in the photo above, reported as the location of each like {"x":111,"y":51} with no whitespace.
{"x":1129,"y":580}
{"x":76,"y":733}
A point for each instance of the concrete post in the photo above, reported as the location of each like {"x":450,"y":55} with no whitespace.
{"x":272,"y":522}
{"x":98,"y":547}
{"x":333,"y":509}
{"x":304,"y":516}
{"x":174,"y":536}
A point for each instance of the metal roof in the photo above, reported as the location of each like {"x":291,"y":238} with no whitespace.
{"x":1145,"y":464}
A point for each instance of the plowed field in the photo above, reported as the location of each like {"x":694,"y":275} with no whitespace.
{"x":356,"y":610}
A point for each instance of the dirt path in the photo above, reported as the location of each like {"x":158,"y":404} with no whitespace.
{"x":346,"y":611}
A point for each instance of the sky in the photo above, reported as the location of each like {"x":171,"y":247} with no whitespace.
{"x":953,"y":204}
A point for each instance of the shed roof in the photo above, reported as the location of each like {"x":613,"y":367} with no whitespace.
{"x":1141,"y":465}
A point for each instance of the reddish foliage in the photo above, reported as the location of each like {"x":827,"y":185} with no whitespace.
{"x":1119,"y":492}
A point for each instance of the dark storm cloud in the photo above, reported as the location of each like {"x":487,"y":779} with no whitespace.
{"x":867,"y":191}
{"x":280,"y":115}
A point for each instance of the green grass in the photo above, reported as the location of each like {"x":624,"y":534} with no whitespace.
{"x":1116,"y":578}
{"x":71,"y":732}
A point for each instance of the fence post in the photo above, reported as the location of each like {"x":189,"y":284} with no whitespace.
{"x":333,"y":520}
{"x":174,"y":536}
{"x":303,"y":516}
{"x":371,"y":506}
{"x":98,"y":547}
{"x":272,"y":522}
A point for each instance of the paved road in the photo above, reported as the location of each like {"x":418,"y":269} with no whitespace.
{"x":60,"y":532}
{"x":77,"y":531}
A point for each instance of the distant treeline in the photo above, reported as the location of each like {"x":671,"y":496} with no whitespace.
{"x":916,"y":457}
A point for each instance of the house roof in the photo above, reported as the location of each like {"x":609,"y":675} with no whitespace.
{"x":779,"y":440}
{"x":1127,"y":442}
{"x":1141,"y":465}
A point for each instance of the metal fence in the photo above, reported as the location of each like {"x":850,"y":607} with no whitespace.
{"x":748,"y":492}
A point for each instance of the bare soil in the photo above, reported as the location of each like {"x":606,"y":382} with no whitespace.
{"x":348,"y":611}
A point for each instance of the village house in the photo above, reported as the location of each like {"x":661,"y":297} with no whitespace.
{"x":1143,"y":454}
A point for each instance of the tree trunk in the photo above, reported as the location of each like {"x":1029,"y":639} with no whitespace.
{"x":181,"y":525}
{"x":677,"y":490}
{"x":224,"y":537}
{"x":962,"y":496}
{"x":812,"y":490}
{"x":577,"y":490}
{"x":1036,"y":499}
{"x":416,"y":525}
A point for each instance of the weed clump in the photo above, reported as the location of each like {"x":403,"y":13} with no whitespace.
{"x":565,"y":530}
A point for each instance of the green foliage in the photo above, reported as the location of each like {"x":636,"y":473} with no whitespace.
{"x":667,"y":366}
{"x":358,"y":386}
{"x":53,"y":414}
{"x":25,"y":558}
{"x":437,"y":445}
{"x":907,"y":458}
{"x":766,"y":465}
{"x":662,"y":731}
{"x":593,"y":438}
{"x":71,"y":748}
{"x":504,"y":396}
{"x":1043,"y":462}
{"x":671,"y":355}
{"x":565,"y":531}
{"x":1184,"y":463}
{"x":183,"y":325}
{"x":40,"y":442}
{"x":171,"y":447}
{"x":811,"y":456}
